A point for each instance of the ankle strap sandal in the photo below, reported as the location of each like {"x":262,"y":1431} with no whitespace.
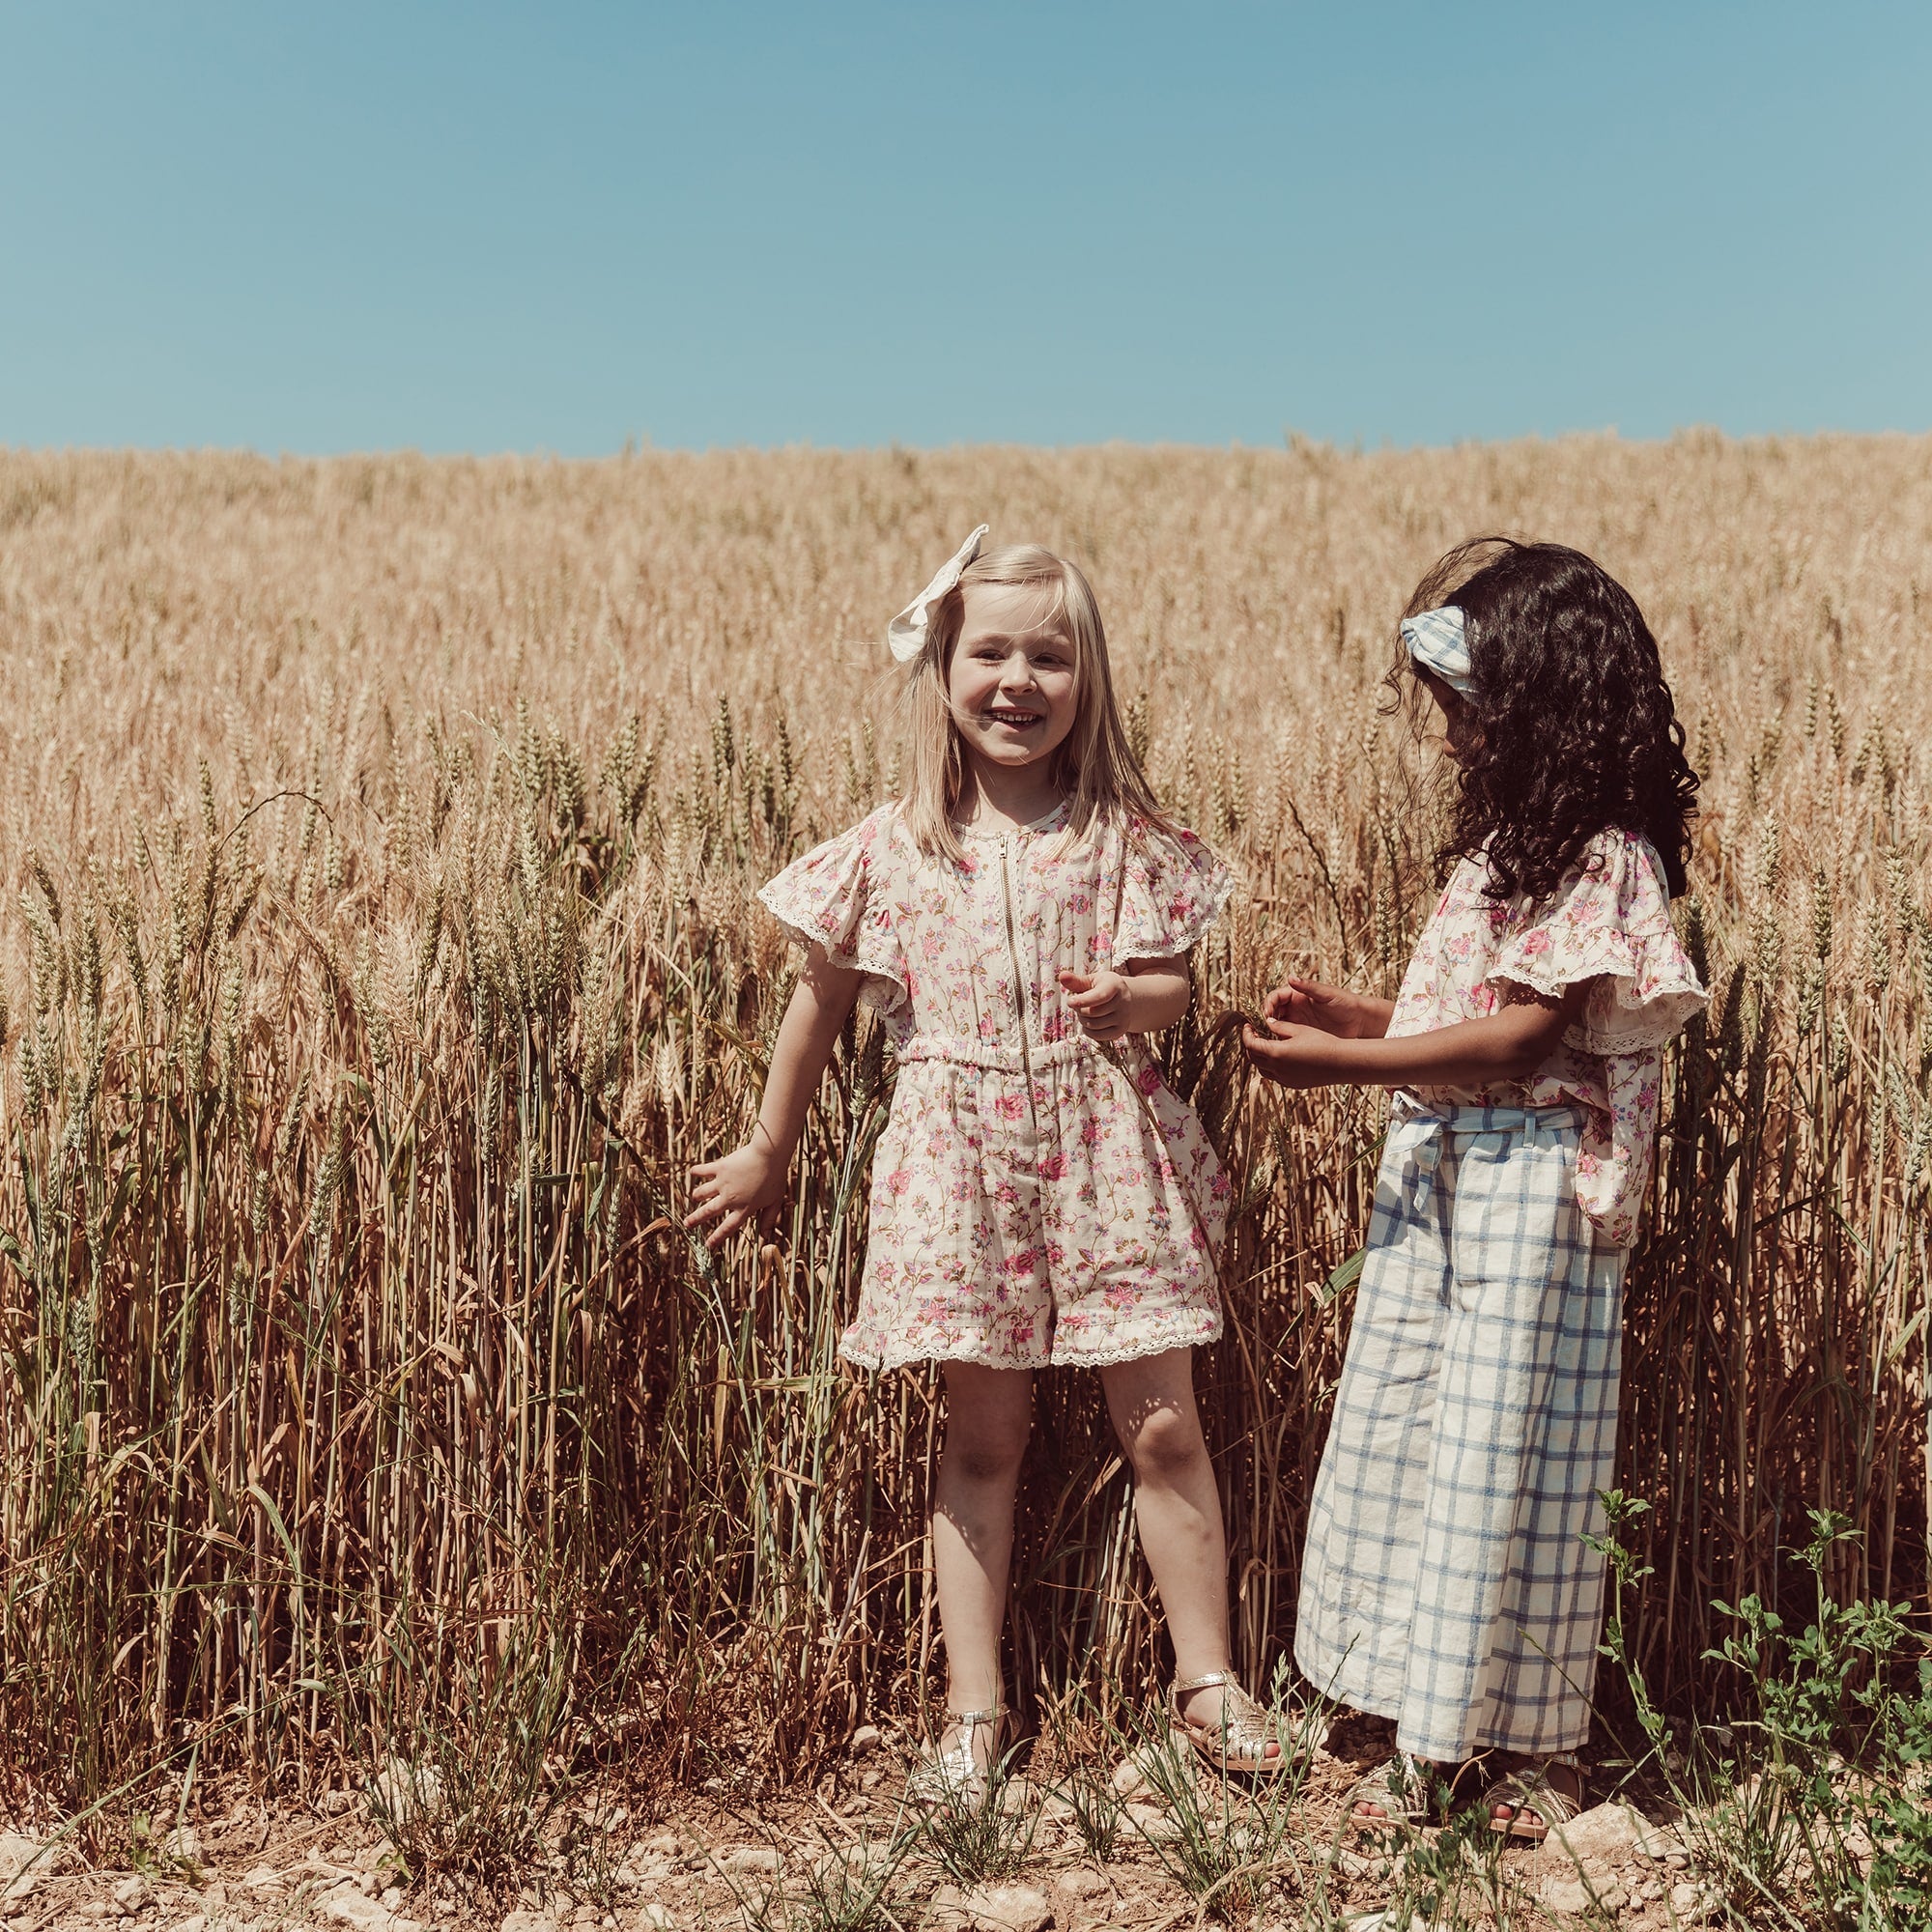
{"x":953,"y":1775}
{"x":1404,"y":1791}
{"x":1531,"y":1791}
{"x":1246,"y":1738}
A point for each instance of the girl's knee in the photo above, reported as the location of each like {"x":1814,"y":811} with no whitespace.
{"x":984,"y":1450}
{"x":1164,"y":1443}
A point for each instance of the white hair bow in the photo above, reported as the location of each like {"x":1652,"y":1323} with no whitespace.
{"x":1437,"y":642}
{"x":907,"y":633}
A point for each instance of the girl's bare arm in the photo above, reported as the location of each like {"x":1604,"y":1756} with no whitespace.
{"x":749,"y":1183}
{"x":1508,"y":1045}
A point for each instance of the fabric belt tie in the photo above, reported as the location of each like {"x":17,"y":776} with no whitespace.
{"x":1422,"y":1132}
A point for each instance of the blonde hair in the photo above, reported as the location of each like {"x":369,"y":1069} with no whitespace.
{"x":1094,"y":764}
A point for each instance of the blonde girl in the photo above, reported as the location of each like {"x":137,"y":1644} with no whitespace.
{"x":1446,"y":1581}
{"x":1021,"y":918}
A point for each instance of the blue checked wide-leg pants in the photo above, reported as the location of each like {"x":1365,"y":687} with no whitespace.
{"x":1445,"y":1582}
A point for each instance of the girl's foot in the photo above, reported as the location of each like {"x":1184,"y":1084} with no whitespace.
{"x":1225,"y":1725}
{"x":960,"y":1768}
{"x":1404,"y":1791}
{"x":1537,"y":1796}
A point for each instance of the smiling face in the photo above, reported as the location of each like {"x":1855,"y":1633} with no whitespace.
{"x":1014,"y":677}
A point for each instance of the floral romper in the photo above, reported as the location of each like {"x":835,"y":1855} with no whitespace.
{"x":1035,"y":1197}
{"x":1445,"y":1582}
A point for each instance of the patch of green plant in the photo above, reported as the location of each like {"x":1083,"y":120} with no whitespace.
{"x":462,"y":1777}
{"x":1224,"y":1842}
{"x":1813,"y":1807}
{"x":986,"y":1836}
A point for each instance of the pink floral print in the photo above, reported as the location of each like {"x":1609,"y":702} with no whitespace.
{"x":1608,"y":920}
{"x":1035,"y":1198}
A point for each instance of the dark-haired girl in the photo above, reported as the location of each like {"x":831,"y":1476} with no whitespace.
{"x":1446,"y":1582}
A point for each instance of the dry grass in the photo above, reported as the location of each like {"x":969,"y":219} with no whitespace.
{"x":378,"y":839}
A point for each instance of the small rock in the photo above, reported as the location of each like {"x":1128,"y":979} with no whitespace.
{"x":528,"y":1922}
{"x":264,"y":1878}
{"x":346,"y":1906}
{"x":131,"y":1893}
{"x":404,"y":1791}
{"x":1153,"y":1823}
{"x":182,"y":1843}
{"x":1606,"y":1832}
{"x":193,"y":1922}
{"x":19,"y":1871}
{"x":657,"y":1918}
{"x":866,"y":1738}
{"x":1080,"y":1898}
{"x":1004,"y":1908}
{"x":1662,"y":1842}
{"x":750,"y":1858}
{"x":1130,"y":1780}
{"x":1690,"y":1903}
{"x":1571,"y":1896}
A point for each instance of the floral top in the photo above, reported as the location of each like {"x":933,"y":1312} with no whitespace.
{"x":1035,"y":1197}
{"x":1607,"y":920}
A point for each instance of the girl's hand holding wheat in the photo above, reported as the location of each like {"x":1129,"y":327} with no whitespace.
{"x":1334,"y":1010}
{"x":746,"y":1184}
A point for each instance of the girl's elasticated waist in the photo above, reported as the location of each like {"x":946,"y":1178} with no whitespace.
{"x":962,"y":1050}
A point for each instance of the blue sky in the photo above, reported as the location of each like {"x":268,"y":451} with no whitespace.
{"x":490,"y":227}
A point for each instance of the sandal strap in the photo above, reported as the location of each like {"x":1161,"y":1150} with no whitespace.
{"x":1530,"y":1790}
{"x":1401,"y":1783}
{"x":972,"y":1720}
{"x":1213,"y":1681}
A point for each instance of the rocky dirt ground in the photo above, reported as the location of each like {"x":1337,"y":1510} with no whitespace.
{"x":805,"y":1864}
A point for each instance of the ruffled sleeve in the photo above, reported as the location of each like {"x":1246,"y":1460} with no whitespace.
{"x":1609,"y":920}
{"x":1173,"y":891}
{"x":837,"y":896}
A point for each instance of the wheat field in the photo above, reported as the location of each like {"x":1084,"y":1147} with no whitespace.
{"x":377,"y":949}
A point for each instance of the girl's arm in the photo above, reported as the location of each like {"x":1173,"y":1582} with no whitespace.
{"x":1151,"y":994}
{"x":1509,"y":1045}
{"x":749,"y":1182}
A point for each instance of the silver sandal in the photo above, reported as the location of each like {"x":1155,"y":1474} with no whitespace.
{"x":1404,"y":1792}
{"x":1530,"y":1790}
{"x":955,"y":1775}
{"x":1240,"y":1739}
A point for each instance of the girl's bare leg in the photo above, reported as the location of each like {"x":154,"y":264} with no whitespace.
{"x":1179,"y":1510}
{"x":988,"y":1417}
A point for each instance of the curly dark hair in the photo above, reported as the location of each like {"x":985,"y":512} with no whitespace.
{"x":1576,"y":730}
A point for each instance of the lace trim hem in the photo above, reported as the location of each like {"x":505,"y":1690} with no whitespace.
{"x":1649,"y":1020}
{"x":884,"y":990}
{"x":1131,"y":943}
{"x":1208,"y":1331}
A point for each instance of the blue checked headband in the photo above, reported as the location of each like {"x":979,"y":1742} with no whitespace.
{"x":1436,"y":642}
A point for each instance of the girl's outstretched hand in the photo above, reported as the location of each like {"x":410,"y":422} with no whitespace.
{"x":1332,"y":1009}
{"x":746,"y":1184}
{"x":1295,"y":1056}
{"x":1100,"y":1002}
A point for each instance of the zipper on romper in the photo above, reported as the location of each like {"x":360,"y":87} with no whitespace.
{"x":1019,"y":982}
